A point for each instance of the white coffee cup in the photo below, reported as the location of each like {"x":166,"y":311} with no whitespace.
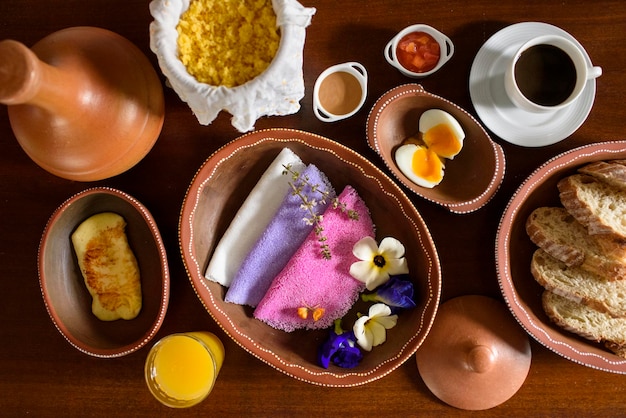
{"x":535,"y":86}
{"x":340,"y":91}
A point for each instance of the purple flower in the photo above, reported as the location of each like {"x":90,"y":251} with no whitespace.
{"x":340,"y":348}
{"x":397,"y":293}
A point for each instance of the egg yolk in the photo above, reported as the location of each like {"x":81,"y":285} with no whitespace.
{"x":442,"y":140}
{"x":427,"y":165}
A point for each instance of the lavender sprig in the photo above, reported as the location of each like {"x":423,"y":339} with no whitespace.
{"x":297,"y":185}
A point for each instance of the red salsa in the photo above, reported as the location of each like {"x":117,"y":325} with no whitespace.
{"x":418,"y":52}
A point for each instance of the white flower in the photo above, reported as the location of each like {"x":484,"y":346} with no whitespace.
{"x":371,"y":330}
{"x":378,"y":263}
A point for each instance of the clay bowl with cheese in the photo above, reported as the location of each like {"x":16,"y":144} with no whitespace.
{"x":470,"y":179}
{"x":65,"y":294}
{"x":220,"y":187}
{"x":514,"y":251}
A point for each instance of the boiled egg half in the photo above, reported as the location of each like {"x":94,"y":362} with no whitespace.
{"x":420,"y":164}
{"x":441,"y":132}
{"x":422,"y":160}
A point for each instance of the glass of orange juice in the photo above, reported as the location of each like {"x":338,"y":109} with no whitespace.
{"x":181,"y":369}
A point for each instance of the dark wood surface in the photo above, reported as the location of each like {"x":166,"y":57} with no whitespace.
{"x":42,"y":375}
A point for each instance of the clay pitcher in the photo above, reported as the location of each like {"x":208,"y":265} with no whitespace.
{"x":84,"y":103}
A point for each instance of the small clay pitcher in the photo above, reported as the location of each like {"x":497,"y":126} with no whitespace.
{"x":84,"y":103}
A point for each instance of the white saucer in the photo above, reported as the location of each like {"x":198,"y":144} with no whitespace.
{"x":494,"y":108}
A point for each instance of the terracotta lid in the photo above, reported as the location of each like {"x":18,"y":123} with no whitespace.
{"x":476,"y":356}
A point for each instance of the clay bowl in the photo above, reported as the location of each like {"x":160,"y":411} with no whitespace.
{"x":470,"y":180}
{"x":64,"y":292}
{"x":514,"y":251}
{"x":219,"y":188}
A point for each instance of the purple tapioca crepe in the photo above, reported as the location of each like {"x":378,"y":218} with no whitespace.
{"x":280,"y":240}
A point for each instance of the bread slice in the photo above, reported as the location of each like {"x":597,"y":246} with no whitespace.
{"x":598,"y":206}
{"x":586,"y":322}
{"x":612,"y":172}
{"x":555,"y":231}
{"x":579,"y":285}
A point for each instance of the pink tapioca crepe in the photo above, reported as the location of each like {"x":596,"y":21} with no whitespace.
{"x":310,"y":280}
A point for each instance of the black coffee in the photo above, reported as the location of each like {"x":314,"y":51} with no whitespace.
{"x":545,"y":74}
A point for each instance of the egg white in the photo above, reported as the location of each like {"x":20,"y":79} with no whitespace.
{"x":434,"y":117}
{"x":404,"y":160}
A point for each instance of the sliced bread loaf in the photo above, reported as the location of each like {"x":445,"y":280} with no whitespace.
{"x":579,"y":285}
{"x":598,"y":206}
{"x":611,"y":172}
{"x":555,"y":231}
{"x":586,"y":322}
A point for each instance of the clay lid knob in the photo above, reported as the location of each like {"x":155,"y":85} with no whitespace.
{"x":480,"y":359}
{"x":476,"y":355}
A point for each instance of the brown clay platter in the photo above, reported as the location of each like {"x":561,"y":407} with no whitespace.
{"x":219,"y":188}
{"x":470,"y":180}
{"x":514,"y":251}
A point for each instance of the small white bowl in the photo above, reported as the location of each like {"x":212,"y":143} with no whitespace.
{"x":446,"y":48}
{"x":359,"y":75}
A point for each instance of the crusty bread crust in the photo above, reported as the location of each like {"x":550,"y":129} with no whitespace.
{"x":578,"y":285}
{"x":598,"y":206}
{"x":548,"y":228}
{"x":610,"y":172}
{"x":586,"y":322}
{"x":582,"y":251}
{"x":555,"y":231}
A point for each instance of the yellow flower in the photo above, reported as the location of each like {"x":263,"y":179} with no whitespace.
{"x":378,"y":262}
{"x":371,"y":330}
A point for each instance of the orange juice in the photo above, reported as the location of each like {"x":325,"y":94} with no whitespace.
{"x":181,"y":369}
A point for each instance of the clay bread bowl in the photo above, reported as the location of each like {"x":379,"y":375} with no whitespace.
{"x":514,"y":252}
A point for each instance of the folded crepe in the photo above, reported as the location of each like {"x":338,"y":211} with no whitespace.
{"x":252,"y":218}
{"x":311,"y":281}
{"x":281,"y":239}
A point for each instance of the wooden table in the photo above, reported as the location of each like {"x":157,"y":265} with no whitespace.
{"x":41,"y":374}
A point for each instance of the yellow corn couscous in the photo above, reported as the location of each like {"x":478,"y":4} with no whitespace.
{"x":227,"y":42}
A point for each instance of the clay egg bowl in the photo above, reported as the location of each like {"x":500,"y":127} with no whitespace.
{"x":470,"y":180}
{"x":514,"y":251}
{"x":65,"y":294}
{"x":220,"y":187}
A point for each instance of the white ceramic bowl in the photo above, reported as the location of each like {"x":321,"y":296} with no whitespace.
{"x":446,"y":48}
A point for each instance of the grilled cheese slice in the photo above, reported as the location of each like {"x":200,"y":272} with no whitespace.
{"x":108,"y":266}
